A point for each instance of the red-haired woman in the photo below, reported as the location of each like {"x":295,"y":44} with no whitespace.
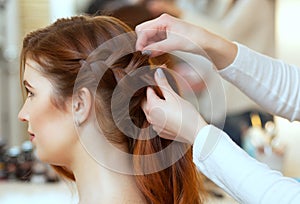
{"x":85,"y":84}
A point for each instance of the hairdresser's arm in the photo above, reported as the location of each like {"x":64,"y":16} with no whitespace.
{"x":167,"y":33}
{"x":272,"y":83}
{"x":241,"y":176}
{"x":221,"y":160}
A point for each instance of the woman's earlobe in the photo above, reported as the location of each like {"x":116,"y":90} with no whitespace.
{"x":82,"y":105}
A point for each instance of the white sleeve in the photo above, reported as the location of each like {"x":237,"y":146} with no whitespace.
{"x":271,"y":83}
{"x":241,"y":176}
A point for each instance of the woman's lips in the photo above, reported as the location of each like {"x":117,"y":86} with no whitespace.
{"x":31,"y":136}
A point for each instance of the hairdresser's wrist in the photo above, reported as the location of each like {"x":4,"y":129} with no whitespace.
{"x":221,"y":51}
{"x":194,"y":131}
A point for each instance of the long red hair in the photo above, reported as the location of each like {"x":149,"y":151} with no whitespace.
{"x":60,"y":49}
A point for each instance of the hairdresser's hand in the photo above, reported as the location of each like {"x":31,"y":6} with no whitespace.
{"x":167,"y":33}
{"x":173,"y":117}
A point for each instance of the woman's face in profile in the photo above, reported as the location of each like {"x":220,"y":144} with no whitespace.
{"x":51,"y":130}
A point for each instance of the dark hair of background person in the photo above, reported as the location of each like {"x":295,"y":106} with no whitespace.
{"x":59,"y":50}
{"x":99,"y":7}
{"x":132,"y":15}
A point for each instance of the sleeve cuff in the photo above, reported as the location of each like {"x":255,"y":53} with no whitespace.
{"x":237,"y":62}
{"x":206,"y":141}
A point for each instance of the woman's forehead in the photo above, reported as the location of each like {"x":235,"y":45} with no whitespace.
{"x":32,"y":74}
{"x":30,"y":63}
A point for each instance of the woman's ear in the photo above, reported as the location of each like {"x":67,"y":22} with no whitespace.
{"x":82,"y":105}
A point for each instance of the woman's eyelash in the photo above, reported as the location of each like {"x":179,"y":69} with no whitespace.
{"x":29,"y":93}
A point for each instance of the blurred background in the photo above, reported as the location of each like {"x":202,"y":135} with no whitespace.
{"x":268,"y":26}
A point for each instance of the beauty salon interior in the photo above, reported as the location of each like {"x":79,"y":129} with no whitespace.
{"x":266,"y":26}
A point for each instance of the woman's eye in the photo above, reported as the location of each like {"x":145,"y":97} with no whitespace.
{"x":29,"y":94}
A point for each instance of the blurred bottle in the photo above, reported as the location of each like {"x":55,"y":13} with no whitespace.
{"x":252,"y":140}
{"x":272,"y":152}
{"x":254,"y":136}
{"x":12,"y":166}
{"x":263,"y":144}
{"x":2,"y":160}
{"x":25,"y":161}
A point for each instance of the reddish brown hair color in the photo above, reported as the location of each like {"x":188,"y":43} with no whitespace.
{"x":60,"y":49}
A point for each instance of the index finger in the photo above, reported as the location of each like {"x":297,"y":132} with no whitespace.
{"x":144,"y":38}
{"x":148,"y":30}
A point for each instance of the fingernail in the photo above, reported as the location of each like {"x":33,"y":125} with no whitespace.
{"x":146,"y":52}
{"x":160,"y":73}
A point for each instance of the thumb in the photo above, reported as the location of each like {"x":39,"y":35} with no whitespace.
{"x":163,"y":83}
{"x":150,"y":102}
{"x":152,"y":99}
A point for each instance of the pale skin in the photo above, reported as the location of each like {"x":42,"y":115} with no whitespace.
{"x":166,"y":34}
{"x":56,"y":139}
{"x":170,"y":124}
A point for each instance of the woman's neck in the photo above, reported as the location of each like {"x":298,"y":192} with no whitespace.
{"x":97,"y":184}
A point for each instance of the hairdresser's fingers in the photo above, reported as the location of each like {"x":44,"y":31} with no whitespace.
{"x":164,"y":85}
{"x":154,"y":23}
{"x":147,"y":31}
{"x":158,"y":41}
{"x":161,"y":47}
{"x":147,"y":37}
{"x":153,"y":31}
{"x":153,"y":99}
{"x":149,"y":104}
{"x":166,"y":135}
{"x":161,"y":131}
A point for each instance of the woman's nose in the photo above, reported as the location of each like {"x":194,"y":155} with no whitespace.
{"x":23,"y":115}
